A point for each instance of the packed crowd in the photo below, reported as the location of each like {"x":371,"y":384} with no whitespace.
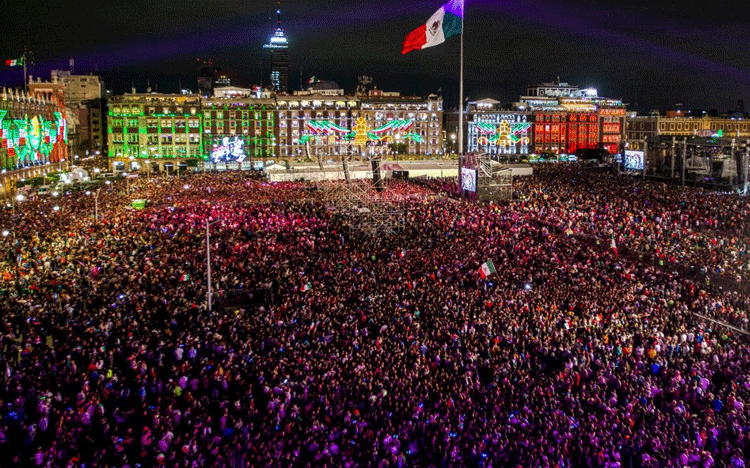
{"x":383,"y":352}
{"x":678,"y":226}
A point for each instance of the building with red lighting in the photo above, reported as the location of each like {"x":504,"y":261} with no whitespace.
{"x":582,"y":131}
{"x":550,"y":131}
{"x":567,"y":119}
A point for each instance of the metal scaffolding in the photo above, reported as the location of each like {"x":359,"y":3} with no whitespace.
{"x":717,"y":162}
{"x":364,"y":209}
{"x":494,"y":181}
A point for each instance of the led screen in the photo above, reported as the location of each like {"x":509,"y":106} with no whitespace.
{"x":634,"y":160}
{"x":230,"y":150}
{"x":469,"y":179}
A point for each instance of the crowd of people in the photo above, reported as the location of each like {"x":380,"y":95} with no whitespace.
{"x":387,"y":351}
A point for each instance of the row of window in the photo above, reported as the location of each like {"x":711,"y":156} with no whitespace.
{"x":136,"y":110}
{"x":237,"y":115}
{"x":581,"y":118}
{"x":548,"y":139}
{"x":695,"y":126}
{"x":154,"y":123}
{"x":611,"y":128}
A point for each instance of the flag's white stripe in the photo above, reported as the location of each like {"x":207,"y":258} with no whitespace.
{"x":434,"y":30}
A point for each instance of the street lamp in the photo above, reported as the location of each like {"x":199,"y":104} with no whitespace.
{"x":96,"y":203}
{"x":208,"y":262}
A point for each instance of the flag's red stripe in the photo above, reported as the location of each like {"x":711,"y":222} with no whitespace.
{"x":415,"y":40}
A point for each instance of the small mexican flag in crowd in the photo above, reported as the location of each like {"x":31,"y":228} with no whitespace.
{"x":14,"y":62}
{"x":306,"y":287}
{"x":185,"y":277}
{"x":487,"y":269}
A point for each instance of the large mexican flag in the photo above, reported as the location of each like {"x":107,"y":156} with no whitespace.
{"x":444,"y":23}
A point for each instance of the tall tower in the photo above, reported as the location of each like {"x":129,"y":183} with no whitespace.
{"x":279,"y":47}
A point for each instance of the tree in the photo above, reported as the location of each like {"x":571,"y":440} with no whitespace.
{"x":399,"y":148}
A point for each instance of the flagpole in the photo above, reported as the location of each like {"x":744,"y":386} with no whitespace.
{"x":461,"y":105}
{"x":25,"y":84}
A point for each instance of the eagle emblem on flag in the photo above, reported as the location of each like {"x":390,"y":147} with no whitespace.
{"x":435,"y":27}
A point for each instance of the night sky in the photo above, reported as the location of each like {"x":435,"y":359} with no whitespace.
{"x":655,"y":56}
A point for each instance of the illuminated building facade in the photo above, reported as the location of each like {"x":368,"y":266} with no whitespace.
{"x":550,"y":131}
{"x":412,"y":121}
{"x":278,"y":45}
{"x":315,"y":123}
{"x":164,"y":131}
{"x":496,"y":131}
{"x":582,"y":131}
{"x":154,"y":131}
{"x":83,"y":97}
{"x":327,"y":122}
{"x":704,"y":126}
{"x":568,"y":119}
{"x":642,"y":127}
{"x":611,"y":128}
{"x":236,"y":129}
{"x":33,"y":127}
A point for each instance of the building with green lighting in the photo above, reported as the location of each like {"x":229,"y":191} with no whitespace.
{"x":249,"y":120}
{"x":154,"y":132}
{"x":167,"y":132}
{"x":33,"y":133}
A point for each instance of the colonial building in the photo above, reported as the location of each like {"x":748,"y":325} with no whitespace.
{"x":33,"y":132}
{"x":315,"y":123}
{"x":493,"y":130}
{"x":235,"y":129}
{"x":155,"y":131}
{"x":713,"y":150}
{"x":412,"y":121}
{"x":83,"y":97}
{"x":568,"y":119}
{"x":677,"y":124}
{"x":639,"y":128}
{"x":169,"y":130}
{"x":704,"y":126}
{"x":550,"y":131}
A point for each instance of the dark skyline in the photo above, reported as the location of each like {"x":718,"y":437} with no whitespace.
{"x":651,"y":56}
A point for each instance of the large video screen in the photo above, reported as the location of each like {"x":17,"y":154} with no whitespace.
{"x":634,"y":160}
{"x":230,"y":150}
{"x":469,"y":179}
